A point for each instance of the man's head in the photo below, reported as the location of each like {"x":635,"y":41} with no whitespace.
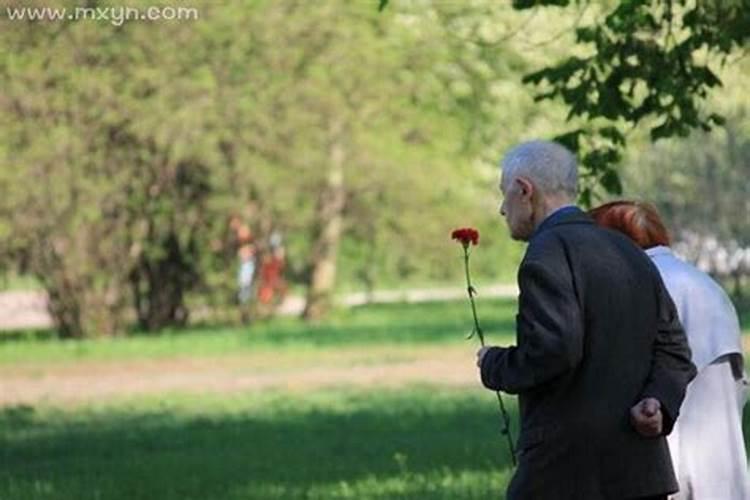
{"x":537,"y":177}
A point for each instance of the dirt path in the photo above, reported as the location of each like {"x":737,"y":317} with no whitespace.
{"x":23,"y":309}
{"x":70,"y":384}
{"x":96,"y":381}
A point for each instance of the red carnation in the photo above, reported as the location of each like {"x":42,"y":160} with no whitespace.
{"x":466,"y":236}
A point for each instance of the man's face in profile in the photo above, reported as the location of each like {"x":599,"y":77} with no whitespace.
{"x":516,"y":207}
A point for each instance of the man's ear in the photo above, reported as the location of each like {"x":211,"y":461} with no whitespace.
{"x":525,"y":187}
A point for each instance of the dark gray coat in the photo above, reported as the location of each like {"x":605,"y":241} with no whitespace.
{"x":596,"y":333}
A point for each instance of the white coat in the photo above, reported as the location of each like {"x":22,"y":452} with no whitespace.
{"x":707,"y":445}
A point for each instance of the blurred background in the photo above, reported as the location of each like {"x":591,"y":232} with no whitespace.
{"x":226,"y":268}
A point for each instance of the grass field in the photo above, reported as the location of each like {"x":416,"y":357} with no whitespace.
{"x":416,"y":442}
{"x":383,"y":435}
{"x":376,"y":402}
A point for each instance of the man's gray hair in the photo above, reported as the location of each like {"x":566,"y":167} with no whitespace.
{"x":551,"y":167}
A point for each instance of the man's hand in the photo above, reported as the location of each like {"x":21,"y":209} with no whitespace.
{"x":647,"y":418}
{"x":480,"y":355}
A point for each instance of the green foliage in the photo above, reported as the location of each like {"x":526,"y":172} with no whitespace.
{"x":119,"y":158}
{"x":526,"y":4}
{"x":647,"y":62}
{"x":154,"y":136}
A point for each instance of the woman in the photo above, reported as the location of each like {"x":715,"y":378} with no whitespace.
{"x":706,"y":445}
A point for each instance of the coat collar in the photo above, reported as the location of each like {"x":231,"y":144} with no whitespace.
{"x":565,"y":215}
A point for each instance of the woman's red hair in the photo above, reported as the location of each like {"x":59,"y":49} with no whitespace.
{"x":639,"y":221}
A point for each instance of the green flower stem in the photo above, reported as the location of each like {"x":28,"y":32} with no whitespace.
{"x":471,"y":291}
{"x":505,"y":430}
{"x":506,"y":427}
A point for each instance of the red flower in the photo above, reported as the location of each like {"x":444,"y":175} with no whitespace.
{"x":466,"y":236}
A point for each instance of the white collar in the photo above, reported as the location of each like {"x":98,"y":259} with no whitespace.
{"x":658,"y":250}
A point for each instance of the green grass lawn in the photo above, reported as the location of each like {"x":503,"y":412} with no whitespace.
{"x":417,"y":441}
{"x":392,"y":324}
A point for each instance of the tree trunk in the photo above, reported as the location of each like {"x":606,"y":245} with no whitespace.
{"x":64,"y":308}
{"x":327,"y":234}
{"x":159,"y":286}
{"x":64,"y":298}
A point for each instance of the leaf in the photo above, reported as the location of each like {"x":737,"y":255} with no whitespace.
{"x":662,"y":131}
{"x":613,"y":135}
{"x":383,"y":5}
{"x":611,"y":181}
{"x":584,"y":199}
{"x":570,"y":140}
{"x":537,"y":77}
{"x":707,"y":77}
{"x":717,"y":119}
{"x":528,"y":4}
{"x":587,"y":34}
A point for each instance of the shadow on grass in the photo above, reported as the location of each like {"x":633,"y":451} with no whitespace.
{"x":384,"y":445}
{"x":418,"y":443}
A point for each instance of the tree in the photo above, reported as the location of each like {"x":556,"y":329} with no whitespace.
{"x":366,"y":105}
{"x":646,"y":62}
{"x":106,"y":165}
{"x":354,"y":134}
{"x":641,"y":62}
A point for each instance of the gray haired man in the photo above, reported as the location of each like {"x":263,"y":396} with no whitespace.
{"x":601,"y":362}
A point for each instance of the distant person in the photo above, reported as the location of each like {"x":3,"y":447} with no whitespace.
{"x":272,"y":286}
{"x":246,"y":255}
{"x":601,"y":362}
{"x":275,"y":241}
{"x":246,"y":273}
{"x":707,"y":445}
{"x":244,"y":235}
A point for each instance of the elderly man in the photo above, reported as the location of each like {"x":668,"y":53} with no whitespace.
{"x":601,"y":362}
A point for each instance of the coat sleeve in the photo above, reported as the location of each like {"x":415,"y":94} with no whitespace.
{"x":671,"y":367}
{"x":549,"y":329}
